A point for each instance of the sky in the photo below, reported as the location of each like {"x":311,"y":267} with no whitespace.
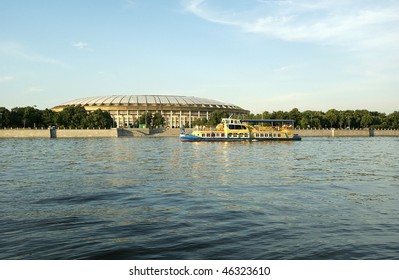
{"x":262,"y":55}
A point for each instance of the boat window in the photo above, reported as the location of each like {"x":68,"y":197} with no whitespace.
{"x":236,"y":126}
{"x":235,"y":135}
{"x":222,"y":135}
{"x":279,"y":135}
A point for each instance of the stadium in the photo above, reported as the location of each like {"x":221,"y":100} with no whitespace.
{"x":177,"y":110}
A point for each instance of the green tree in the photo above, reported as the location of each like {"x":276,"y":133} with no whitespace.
{"x":48,"y":117}
{"x":216,"y":117}
{"x":72,"y":117}
{"x":199,"y":122}
{"x":279,"y":115}
{"x":307,"y":119}
{"x":158,"y":120}
{"x":144,"y":120}
{"x":393,"y":120}
{"x":99,"y":119}
{"x":32,"y":117}
{"x":295,"y":115}
{"x":17,"y":117}
{"x":4,"y":117}
{"x":366,"y":120}
{"x":332,"y":117}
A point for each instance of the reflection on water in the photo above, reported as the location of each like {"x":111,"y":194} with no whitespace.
{"x":321,"y":198}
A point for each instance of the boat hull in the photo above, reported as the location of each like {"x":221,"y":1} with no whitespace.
{"x":193,"y":138}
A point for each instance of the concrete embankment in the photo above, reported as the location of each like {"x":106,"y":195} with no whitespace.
{"x":174,"y":132}
{"x":58,"y":133}
{"x":347,"y":132}
{"x":24,"y":133}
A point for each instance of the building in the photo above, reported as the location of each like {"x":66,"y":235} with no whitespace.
{"x":177,"y":110}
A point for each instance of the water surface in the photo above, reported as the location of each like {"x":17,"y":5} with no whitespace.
{"x":157,"y":198}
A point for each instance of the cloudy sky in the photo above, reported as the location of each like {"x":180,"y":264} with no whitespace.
{"x":258,"y":54}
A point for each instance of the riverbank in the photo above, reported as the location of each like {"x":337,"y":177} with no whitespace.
{"x":174,"y":132}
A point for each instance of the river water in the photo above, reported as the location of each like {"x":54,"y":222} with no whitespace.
{"x":157,"y":198}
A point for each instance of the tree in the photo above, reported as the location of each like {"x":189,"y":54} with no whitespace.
{"x":4,"y":117}
{"x":332,"y":117}
{"x":99,"y":119}
{"x":366,"y":120}
{"x":144,"y":120}
{"x":216,"y":117}
{"x":393,"y":120}
{"x":17,"y":117}
{"x":158,"y":120}
{"x":199,"y":122}
{"x":48,"y":117}
{"x":295,"y":115}
{"x":72,"y":117}
{"x":32,"y":117}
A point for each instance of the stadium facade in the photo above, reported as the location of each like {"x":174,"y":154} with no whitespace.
{"x":177,"y":110}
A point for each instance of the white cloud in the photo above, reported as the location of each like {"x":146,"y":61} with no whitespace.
{"x":80,"y":45}
{"x":4,"y":79}
{"x":347,"y":23}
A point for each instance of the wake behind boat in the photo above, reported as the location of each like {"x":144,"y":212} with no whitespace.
{"x":244,"y":130}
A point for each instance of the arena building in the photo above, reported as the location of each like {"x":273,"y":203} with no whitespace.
{"x":177,"y":110}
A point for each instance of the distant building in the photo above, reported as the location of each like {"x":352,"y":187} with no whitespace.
{"x":177,"y":110}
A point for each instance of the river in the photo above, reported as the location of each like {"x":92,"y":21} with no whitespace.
{"x":158,"y":198}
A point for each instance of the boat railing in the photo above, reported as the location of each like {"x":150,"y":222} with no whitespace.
{"x":204,"y":128}
{"x":273,"y":128}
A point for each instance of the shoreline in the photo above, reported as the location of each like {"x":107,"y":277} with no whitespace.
{"x":173,"y":132}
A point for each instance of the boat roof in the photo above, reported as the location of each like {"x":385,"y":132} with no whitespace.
{"x":268,"y":120}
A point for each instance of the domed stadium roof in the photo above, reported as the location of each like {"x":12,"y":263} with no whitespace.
{"x":150,"y":100}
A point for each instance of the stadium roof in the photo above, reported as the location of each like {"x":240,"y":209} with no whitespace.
{"x":148,"y":100}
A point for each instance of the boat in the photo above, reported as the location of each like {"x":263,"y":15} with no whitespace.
{"x":243,"y":130}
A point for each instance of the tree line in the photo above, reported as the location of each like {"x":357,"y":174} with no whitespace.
{"x":354,"y":119}
{"x":78,"y":117}
{"x":70,"y":117}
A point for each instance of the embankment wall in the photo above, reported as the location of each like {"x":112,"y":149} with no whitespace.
{"x":58,"y":133}
{"x":85,"y":133}
{"x":174,"y":132}
{"x":347,"y":132}
{"x":133,"y":132}
{"x":24,"y":133}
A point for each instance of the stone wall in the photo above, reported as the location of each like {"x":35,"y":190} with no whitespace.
{"x":24,"y":133}
{"x":174,"y":132}
{"x":57,"y":133}
{"x":385,"y":132}
{"x":133,"y":132}
{"x":347,"y":132}
{"x":85,"y":133}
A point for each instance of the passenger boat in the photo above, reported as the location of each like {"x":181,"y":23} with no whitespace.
{"x":244,"y":130}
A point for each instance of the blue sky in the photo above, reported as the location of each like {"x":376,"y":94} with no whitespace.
{"x":258,"y":54}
